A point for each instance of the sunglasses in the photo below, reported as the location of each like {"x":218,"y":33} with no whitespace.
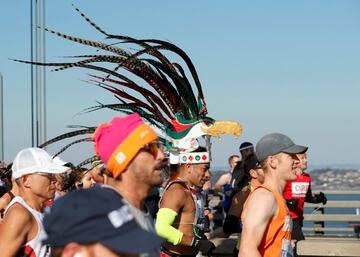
{"x":51,"y":177}
{"x":152,"y":148}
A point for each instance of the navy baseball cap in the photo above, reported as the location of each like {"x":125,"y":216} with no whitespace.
{"x":97,"y":215}
{"x":275,"y":143}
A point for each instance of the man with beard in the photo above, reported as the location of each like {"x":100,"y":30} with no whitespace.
{"x":266,"y":219}
{"x":131,"y":152}
{"x":181,"y":210}
{"x":22,"y":230}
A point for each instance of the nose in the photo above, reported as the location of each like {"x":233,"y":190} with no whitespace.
{"x":160,"y":154}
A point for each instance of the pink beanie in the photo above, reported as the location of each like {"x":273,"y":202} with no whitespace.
{"x":118,"y":141}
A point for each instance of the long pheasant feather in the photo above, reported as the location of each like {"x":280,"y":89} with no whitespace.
{"x":68,"y":135}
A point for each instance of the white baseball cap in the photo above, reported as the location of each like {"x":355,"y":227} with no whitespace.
{"x":31,"y":160}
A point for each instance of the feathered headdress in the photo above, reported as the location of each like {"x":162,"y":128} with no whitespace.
{"x":167,"y":101}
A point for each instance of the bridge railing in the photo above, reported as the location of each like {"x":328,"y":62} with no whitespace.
{"x":330,"y":220}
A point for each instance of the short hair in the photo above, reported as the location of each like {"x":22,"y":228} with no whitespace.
{"x":232,"y":157}
{"x":6,"y":174}
{"x":264,"y":164}
{"x":67,"y":180}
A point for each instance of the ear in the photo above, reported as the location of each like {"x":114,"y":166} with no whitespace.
{"x":253,"y":174}
{"x":71,"y":250}
{"x":25,"y":180}
{"x":188,"y":167}
{"x":272,"y":162}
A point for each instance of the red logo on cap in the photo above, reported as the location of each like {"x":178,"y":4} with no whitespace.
{"x":204,"y":157}
{"x":191,"y":158}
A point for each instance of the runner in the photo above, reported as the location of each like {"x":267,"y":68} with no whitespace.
{"x":226,"y":177}
{"x":266,"y":220}
{"x":84,"y":179}
{"x":239,"y":177}
{"x":21,"y":231}
{"x":5,"y":180}
{"x":65,"y":181}
{"x":224,"y":182}
{"x":256,"y":174}
{"x":298,"y":192}
{"x":179,"y":219}
{"x":133,"y":158}
{"x":12,"y":189}
{"x":94,"y":223}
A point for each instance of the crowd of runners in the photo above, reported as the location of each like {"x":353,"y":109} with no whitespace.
{"x":146,"y":190}
{"x":49,"y":207}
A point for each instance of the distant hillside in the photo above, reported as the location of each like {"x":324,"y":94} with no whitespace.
{"x":335,"y":179}
{"x":323,"y":178}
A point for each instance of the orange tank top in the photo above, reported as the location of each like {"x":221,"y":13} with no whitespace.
{"x":277,"y":237}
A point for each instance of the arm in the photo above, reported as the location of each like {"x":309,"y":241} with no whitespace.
{"x":224,"y":179}
{"x":14,"y":230}
{"x":317,"y":198}
{"x":4,"y":201}
{"x":172,"y":202}
{"x":232,"y":219}
{"x":260,"y":209}
{"x":237,"y":203}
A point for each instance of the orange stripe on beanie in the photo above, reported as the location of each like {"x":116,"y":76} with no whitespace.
{"x":118,"y":142}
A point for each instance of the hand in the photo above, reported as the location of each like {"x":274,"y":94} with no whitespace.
{"x":292,"y":202}
{"x":204,"y":246}
{"x":322,"y":198}
{"x":231,"y":224}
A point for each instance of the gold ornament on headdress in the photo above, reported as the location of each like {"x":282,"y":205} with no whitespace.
{"x":224,"y":127}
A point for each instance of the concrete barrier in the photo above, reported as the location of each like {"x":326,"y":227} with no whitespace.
{"x":327,"y":247}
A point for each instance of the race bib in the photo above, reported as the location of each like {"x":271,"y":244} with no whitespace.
{"x":299,"y":189}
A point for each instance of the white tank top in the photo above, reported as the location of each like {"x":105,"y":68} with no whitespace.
{"x":33,"y":248}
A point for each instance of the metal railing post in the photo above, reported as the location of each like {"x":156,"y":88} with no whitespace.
{"x":38,"y":82}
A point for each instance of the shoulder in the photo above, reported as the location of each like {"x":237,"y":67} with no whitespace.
{"x":177,"y":191}
{"x":263,"y":194}
{"x":175,"y":197}
{"x":177,"y":186}
{"x":4,"y":201}
{"x":19,"y":213}
{"x":307,"y":175}
{"x":262,"y":201}
{"x":17,"y":219}
{"x":224,"y":178}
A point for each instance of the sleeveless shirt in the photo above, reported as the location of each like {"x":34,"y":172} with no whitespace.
{"x":33,"y":248}
{"x":276,"y":240}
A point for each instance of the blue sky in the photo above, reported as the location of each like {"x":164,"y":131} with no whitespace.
{"x":274,"y":66}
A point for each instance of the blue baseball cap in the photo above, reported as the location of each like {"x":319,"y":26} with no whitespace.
{"x":97,"y":215}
